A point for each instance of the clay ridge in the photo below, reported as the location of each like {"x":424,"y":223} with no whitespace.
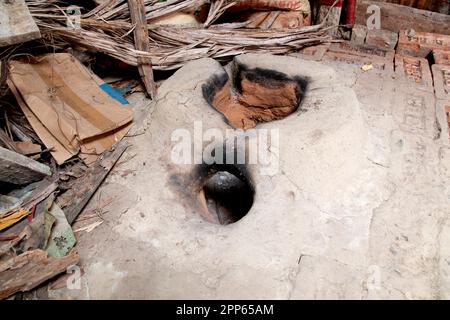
{"x":259,"y":95}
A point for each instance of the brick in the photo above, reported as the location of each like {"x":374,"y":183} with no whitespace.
{"x":441,"y":56}
{"x":365,"y":50}
{"x":355,"y":59}
{"x":314,"y":53}
{"x":350,"y":53}
{"x":396,"y":17}
{"x":413,"y":50}
{"x":414,"y":70}
{"x":382,"y":38}
{"x":421,"y":44}
{"x":414,"y":111}
{"x":424,"y":40}
{"x":441,"y":76}
{"x":359,"y":33}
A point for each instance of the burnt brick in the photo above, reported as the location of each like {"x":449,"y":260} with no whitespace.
{"x":414,"y":70}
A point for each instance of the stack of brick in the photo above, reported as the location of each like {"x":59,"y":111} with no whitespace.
{"x":416,"y":95}
{"x":436,"y":46}
{"x":412,"y":52}
{"x":415,"y":51}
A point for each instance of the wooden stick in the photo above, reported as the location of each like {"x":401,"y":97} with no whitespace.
{"x":141,"y":43}
{"x":82,"y":189}
{"x":30,"y":269}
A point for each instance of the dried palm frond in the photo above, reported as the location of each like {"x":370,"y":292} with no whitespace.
{"x":108,"y":29}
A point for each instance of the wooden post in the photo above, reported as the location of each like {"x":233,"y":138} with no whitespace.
{"x":141,"y":43}
{"x":334,"y":14}
{"x":82,"y":189}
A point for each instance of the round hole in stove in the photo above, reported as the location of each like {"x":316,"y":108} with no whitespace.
{"x":228,"y":194}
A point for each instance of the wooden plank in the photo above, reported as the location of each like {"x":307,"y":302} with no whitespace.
{"x":396,"y":17}
{"x":18,"y":169}
{"x":417,"y":40}
{"x":3,"y":77}
{"x":30,"y":269}
{"x":16,"y":23}
{"x":33,"y":199}
{"x":74,"y":199}
{"x":332,"y":14}
{"x":141,"y":43}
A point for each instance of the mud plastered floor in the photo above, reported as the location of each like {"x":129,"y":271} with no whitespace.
{"x":383,"y":235}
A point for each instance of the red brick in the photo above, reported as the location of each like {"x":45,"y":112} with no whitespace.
{"x":396,"y":17}
{"x":447,"y":109}
{"x":415,"y":111}
{"x":422,"y":42}
{"x":425,"y":39}
{"x":415,"y":70}
{"x":441,"y":77}
{"x":354,"y":54}
{"x":441,"y":57}
{"x":412,"y":50}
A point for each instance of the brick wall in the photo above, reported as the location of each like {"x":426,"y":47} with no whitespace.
{"x":441,"y":6}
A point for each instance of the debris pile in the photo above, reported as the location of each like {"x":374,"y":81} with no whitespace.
{"x":62,"y":135}
{"x":61,"y":132}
